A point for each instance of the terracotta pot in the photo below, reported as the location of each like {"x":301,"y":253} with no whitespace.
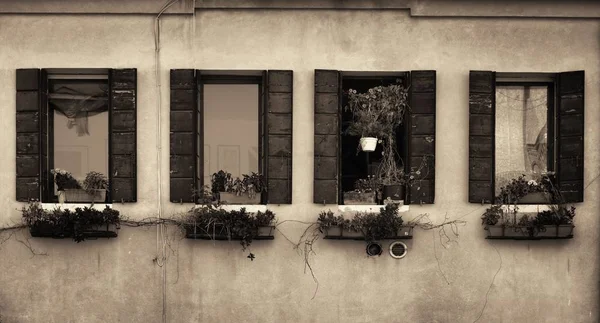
{"x":232,"y":198}
{"x":80,"y":195}
{"x":359,"y":198}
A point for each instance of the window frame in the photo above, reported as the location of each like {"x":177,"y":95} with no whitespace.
{"x":257,"y":77}
{"x":369,"y":76}
{"x":47,"y":194}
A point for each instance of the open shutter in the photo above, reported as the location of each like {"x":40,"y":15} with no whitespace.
{"x":279,"y":136}
{"x":28,"y":126}
{"x":421,"y":134}
{"x":123,"y":162}
{"x":184,"y":135}
{"x":570,"y":135}
{"x":327,"y":136}
{"x":482,"y":107}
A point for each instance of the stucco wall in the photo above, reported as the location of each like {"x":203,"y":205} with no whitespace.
{"x":117,"y":280}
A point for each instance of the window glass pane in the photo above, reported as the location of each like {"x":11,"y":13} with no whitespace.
{"x":80,"y":126}
{"x":230,"y":129}
{"x":521,"y":132}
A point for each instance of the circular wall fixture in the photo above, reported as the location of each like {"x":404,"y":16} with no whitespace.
{"x":398,"y":249}
{"x":374,"y":249}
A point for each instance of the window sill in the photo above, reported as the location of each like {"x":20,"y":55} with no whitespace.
{"x":367,"y":208}
{"x":249,"y":207}
{"x":73,"y":206}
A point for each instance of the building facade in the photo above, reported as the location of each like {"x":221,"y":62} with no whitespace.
{"x":153,"y":274}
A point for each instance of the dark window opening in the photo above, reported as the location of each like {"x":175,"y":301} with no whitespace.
{"x":354,"y":163}
{"x":231,"y":128}
{"x":525,"y":121}
{"x":76,"y":131}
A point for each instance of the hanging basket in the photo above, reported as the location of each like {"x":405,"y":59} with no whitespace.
{"x":368,"y":143}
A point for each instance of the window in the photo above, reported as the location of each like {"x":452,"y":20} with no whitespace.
{"x":525,"y":123}
{"x":79,"y":121}
{"x":220,"y":123}
{"x":339,"y":162}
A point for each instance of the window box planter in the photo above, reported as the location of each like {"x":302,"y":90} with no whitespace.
{"x":48,"y":230}
{"x":219,"y":232}
{"x":79,"y":196}
{"x":528,"y":233}
{"x":336,"y":232}
{"x":396,"y":193}
{"x":359,"y":198}
{"x":535,"y":198}
{"x":232,"y":198}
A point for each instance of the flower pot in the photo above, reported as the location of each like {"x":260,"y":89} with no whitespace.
{"x":535,"y":198}
{"x":495,"y":230}
{"x":404,"y":231}
{"x":79,"y":196}
{"x":351,"y":234}
{"x":265,"y":231}
{"x":395,"y":193}
{"x":359,"y":198}
{"x":333,"y":231}
{"x":232,"y":198}
{"x":44,"y":229}
{"x":547,"y":231}
{"x":565,"y":230}
{"x":368,"y":143}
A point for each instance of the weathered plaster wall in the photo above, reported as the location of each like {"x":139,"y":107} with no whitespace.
{"x":117,"y":280}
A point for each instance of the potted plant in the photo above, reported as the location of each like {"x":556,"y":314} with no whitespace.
{"x":523,"y":191}
{"x":376,"y":114}
{"x":365,"y":192}
{"x":247,"y":190}
{"x":214,"y":223}
{"x":330,"y":224}
{"x":64,"y":181}
{"x":556,"y":222}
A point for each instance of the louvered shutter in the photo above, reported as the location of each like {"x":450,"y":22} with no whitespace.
{"x":184,"y":136}
{"x":421,"y":132}
{"x":570,"y":126}
{"x":28,"y":128}
{"x":279,"y":136}
{"x":123,"y":123}
{"x":326,"y":136}
{"x":482,"y":98}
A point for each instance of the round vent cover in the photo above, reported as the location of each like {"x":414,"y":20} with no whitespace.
{"x":374,"y":249}
{"x":398,"y":249}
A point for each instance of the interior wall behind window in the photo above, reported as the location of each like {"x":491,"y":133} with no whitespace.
{"x":230,"y":129}
{"x":521,"y":132}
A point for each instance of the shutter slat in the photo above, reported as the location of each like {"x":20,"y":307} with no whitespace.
{"x":28,"y":130}
{"x":326,"y":137}
{"x":482,"y":93}
{"x":570,"y":131}
{"x":421,"y":136}
{"x":279,"y":129}
{"x":183,"y":135}
{"x":123,"y":134}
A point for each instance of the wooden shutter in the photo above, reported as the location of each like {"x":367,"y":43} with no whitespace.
{"x":570,"y":126}
{"x":482,"y":106}
{"x":184,"y":136}
{"x":421,"y":135}
{"x":279,"y":136}
{"x":28,"y":126}
{"x":123,"y":123}
{"x":327,"y":136}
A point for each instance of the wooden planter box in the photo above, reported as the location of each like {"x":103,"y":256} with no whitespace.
{"x":525,"y":233}
{"x":360,"y":198}
{"x":231,"y":198}
{"x":79,"y":196}
{"x":47,"y":230}
{"x":219,"y":232}
{"x":535,"y":198}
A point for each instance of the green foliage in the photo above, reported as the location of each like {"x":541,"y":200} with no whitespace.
{"x":95,"y":181}
{"x":378,"y":111}
{"x":71,"y":223}
{"x":374,"y":226}
{"x":241,"y":224}
{"x":248,"y":184}
{"x":64,"y":179}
